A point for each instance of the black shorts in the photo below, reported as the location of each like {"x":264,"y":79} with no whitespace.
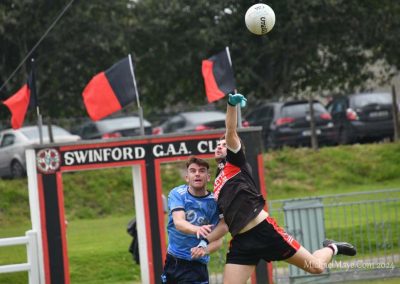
{"x":180,"y":271}
{"x":265,"y":241}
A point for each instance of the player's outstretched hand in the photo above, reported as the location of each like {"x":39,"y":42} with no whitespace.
{"x":235,"y":99}
{"x":203,"y":231}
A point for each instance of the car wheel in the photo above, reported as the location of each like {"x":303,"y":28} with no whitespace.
{"x":17,"y":170}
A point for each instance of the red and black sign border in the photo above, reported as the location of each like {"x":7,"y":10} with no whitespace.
{"x":51,"y":200}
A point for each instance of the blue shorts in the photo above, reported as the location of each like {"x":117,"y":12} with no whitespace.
{"x":180,"y":271}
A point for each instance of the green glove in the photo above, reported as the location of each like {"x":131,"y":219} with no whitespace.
{"x":235,"y":99}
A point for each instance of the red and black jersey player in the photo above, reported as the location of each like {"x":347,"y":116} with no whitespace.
{"x":255,"y":235}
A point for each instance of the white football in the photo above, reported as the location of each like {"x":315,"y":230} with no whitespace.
{"x":260,"y":19}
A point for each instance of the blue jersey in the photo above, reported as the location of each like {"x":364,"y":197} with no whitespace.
{"x":198,"y":210}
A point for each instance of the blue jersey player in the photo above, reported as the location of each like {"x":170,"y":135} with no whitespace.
{"x":192,"y":215}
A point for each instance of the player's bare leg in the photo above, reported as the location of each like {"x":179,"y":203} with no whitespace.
{"x":313,"y":263}
{"x":317,"y":262}
{"x":237,"y":273}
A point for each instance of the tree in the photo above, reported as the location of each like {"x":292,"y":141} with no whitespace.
{"x":316,"y":48}
{"x":87,"y":40}
{"x":319,"y":46}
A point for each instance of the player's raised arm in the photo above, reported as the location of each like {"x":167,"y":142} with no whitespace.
{"x":231,"y":136}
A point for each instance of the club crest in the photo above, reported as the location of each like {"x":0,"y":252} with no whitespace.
{"x":48,"y":160}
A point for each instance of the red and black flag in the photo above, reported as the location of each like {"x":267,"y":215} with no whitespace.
{"x":218,"y":76}
{"x":23,"y":99}
{"x":111,"y":90}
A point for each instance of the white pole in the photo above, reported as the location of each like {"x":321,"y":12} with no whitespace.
{"x":141,"y":223}
{"x":40,"y":125}
{"x":239,"y":111}
{"x":35,"y":207}
{"x":137,"y":97}
{"x":32,"y":255}
{"x":229,"y":54}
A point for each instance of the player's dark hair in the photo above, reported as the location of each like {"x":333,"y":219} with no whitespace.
{"x":197,"y":161}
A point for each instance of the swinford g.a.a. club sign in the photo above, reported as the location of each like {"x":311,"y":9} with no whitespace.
{"x":46,"y":163}
{"x":128,"y":152}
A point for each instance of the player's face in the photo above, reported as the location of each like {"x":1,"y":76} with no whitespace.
{"x":197,"y":176}
{"x":220,"y":150}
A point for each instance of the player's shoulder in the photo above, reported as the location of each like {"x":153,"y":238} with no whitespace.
{"x":179,"y":190}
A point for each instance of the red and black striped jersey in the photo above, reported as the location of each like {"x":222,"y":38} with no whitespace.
{"x":239,"y":199}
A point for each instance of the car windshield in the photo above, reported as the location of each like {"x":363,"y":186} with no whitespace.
{"x":300,"y":110}
{"x":110,"y":125}
{"x":33,"y":132}
{"x":362,"y":100}
{"x":204,"y":117}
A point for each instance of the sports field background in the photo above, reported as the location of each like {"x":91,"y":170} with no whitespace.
{"x":99,"y":204}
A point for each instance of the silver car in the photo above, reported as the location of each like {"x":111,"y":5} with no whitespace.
{"x":113,"y":128}
{"x":192,"y":121}
{"x":14,"y":142}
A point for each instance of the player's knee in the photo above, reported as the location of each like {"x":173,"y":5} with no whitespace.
{"x":315,"y":269}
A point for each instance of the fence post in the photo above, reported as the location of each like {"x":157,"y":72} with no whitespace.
{"x":32,"y":255}
{"x":304,"y":220}
{"x":395,"y":108}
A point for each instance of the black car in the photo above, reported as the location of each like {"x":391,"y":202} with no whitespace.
{"x":288,"y":123}
{"x":113,"y":128}
{"x":362,"y":117}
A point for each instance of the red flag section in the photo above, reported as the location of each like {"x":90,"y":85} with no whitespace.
{"x":110,"y":91}
{"x":212,"y":91}
{"x":99,"y":98}
{"x":18,"y":106}
{"x":218,"y":76}
{"x":21,"y":101}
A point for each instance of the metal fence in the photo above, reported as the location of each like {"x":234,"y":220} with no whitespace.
{"x":369,"y":220}
{"x":32,"y":264}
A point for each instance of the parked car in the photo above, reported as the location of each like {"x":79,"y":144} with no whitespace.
{"x":288,"y":123}
{"x":14,"y":142}
{"x":193,"y":121}
{"x":365,"y":116}
{"x":112,"y":128}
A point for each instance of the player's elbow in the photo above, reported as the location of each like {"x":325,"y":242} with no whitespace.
{"x":179,"y":227}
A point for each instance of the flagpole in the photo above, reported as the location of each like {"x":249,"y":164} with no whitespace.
{"x":238,"y":109}
{"x":137,"y":97}
{"x":34,"y":93}
{"x":37,"y":44}
{"x":40,"y":125}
